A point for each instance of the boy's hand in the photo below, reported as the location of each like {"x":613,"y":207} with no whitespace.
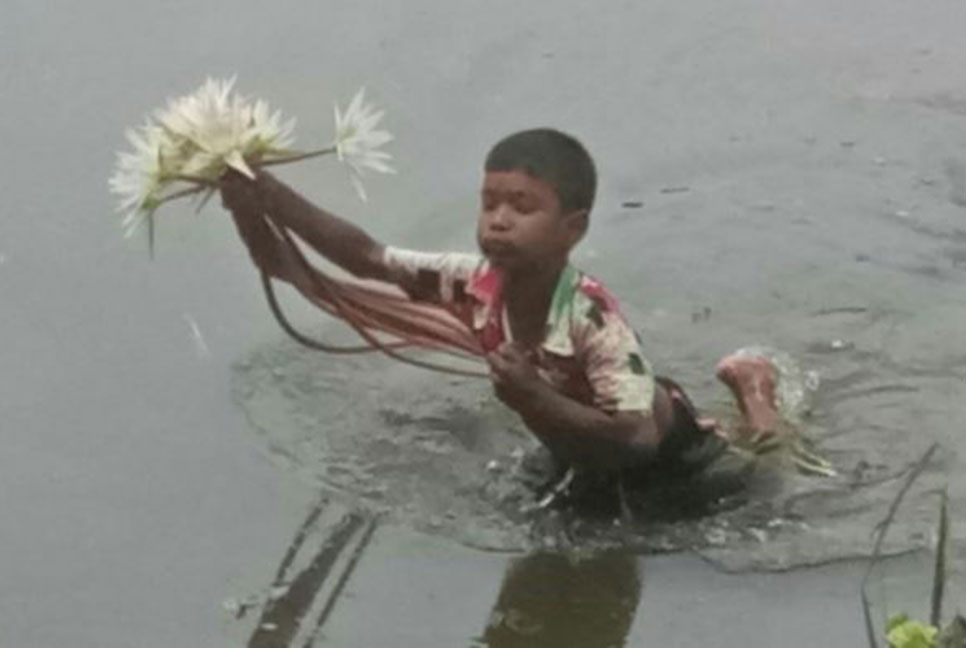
{"x":515,"y":379}
{"x":239,"y":193}
{"x":241,"y":197}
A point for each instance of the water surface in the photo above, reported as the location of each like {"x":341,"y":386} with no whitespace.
{"x":800,"y":175}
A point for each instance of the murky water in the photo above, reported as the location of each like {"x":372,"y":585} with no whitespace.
{"x":786,"y":175}
{"x":443,"y":456}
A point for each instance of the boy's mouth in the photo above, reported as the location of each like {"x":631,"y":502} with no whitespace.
{"x":498,"y":249}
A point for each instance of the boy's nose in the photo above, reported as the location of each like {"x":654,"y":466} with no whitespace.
{"x":499,"y":218}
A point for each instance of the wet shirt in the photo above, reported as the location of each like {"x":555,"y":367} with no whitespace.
{"x":589,"y":351}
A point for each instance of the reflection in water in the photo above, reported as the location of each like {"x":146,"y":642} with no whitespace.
{"x":552,"y":599}
{"x":295,"y":616}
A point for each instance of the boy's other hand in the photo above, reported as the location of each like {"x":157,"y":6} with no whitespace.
{"x":514,"y":376}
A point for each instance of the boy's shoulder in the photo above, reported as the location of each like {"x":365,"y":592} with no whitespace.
{"x":585,"y":314}
{"x":587,"y":295}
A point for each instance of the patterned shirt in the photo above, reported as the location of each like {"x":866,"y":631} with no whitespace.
{"x":589,"y":351}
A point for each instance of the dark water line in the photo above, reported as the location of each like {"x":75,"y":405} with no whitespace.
{"x":280,"y":619}
{"x":840,"y":310}
{"x":872,"y":391}
{"x":939,"y":571}
{"x":299,"y":540}
{"x":343,"y":579}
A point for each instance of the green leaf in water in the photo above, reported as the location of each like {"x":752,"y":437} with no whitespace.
{"x":903,"y":632}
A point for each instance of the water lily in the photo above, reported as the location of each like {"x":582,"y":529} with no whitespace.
{"x":139,"y":176}
{"x":216,"y":129}
{"x":269,"y":134}
{"x":186,"y":146}
{"x":357,"y":140}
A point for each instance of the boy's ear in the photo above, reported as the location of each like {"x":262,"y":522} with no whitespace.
{"x":577,"y":222}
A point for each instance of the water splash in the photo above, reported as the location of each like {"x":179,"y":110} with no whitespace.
{"x":795,"y":392}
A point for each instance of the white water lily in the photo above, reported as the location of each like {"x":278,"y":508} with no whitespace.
{"x":139,"y":176}
{"x":190,"y":143}
{"x":357,"y":140}
{"x":217,"y":129}
{"x":185,"y":148}
{"x":270,"y":136}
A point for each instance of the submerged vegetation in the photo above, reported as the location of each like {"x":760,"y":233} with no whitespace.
{"x":901,"y":630}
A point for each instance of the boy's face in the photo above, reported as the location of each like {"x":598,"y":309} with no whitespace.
{"x":522,"y":225}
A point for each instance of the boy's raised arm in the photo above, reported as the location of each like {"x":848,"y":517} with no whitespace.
{"x":336,"y":239}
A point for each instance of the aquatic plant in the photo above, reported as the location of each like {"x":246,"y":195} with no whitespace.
{"x":901,"y":630}
{"x":183,"y":149}
{"x":357,"y":140}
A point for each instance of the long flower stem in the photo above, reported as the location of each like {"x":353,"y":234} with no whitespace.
{"x":296,"y":157}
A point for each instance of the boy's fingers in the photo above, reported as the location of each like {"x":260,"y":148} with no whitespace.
{"x":237,"y":190}
{"x":258,"y":238}
{"x":498,"y":366}
{"x":247,"y":227}
{"x":511,"y":353}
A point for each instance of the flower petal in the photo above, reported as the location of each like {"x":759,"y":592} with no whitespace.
{"x":235,"y":160}
{"x":356,"y":180}
{"x":357,"y":140}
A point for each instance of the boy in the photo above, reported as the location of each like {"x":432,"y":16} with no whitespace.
{"x":559,"y":351}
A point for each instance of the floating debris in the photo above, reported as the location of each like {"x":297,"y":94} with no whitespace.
{"x":702,"y":315}
{"x":277,"y":592}
{"x":758,"y":534}
{"x":239,"y":607}
{"x":716,"y":537}
{"x":231,"y":606}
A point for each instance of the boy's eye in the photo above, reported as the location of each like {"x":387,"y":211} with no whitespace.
{"x":519,"y":203}
{"x":489,"y":201}
{"x":524,"y":205}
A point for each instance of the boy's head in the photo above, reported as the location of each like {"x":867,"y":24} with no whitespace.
{"x":538,"y":191}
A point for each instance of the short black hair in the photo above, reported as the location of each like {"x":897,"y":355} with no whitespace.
{"x":553,"y":157}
